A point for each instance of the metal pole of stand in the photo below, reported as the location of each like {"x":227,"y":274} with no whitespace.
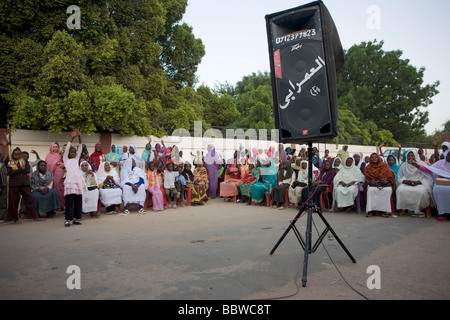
{"x":306,"y":243}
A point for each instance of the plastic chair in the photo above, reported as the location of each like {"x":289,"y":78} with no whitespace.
{"x":268,"y":200}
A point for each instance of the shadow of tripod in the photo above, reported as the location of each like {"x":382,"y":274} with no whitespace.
{"x":310,"y":207}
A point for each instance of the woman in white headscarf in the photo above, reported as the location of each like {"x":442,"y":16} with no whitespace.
{"x":90,"y":196}
{"x":134,"y":184}
{"x":134,"y":155}
{"x":295,"y":191}
{"x":415,"y":187}
{"x":345,"y":184}
{"x":108,"y":182}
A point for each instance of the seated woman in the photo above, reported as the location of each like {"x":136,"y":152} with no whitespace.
{"x":440,"y":171}
{"x":108,"y":182}
{"x":197,"y":181}
{"x":381,"y":183}
{"x":337,"y":164}
{"x":297,"y":166}
{"x":155,"y":187}
{"x":414,"y":187}
{"x":249,"y":180}
{"x":393,"y":165}
{"x":323,"y":181}
{"x":359,"y":163}
{"x":114,"y":157}
{"x":441,"y":192}
{"x":45,"y":197}
{"x":345,"y":184}
{"x":90,"y":196}
{"x":301,"y":181}
{"x":233,"y":179}
{"x":134,"y":183}
{"x":285,"y":179}
{"x":267,"y":180}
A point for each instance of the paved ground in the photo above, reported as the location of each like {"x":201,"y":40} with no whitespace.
{"x":221,"y":252}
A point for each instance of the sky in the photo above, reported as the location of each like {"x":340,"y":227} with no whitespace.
{"x":235,"y":37}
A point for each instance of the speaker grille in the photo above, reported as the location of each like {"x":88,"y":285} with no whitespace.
{"x":304,"y":73}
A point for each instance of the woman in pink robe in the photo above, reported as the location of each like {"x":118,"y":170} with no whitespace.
{"x":55,"y":165}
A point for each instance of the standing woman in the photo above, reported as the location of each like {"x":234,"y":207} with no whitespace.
{"x":3,"y":183}
{"x":19,"y":185}
{"x":134,"y":155}
{"x":45,"y":197}
{"x":96,"y":157}
{"x":55,"y":165}
{"x":160,"y":155}
{"x":125,"y":155}
{"x":212,"y":164}
{"x":74,"y":184}
{"x":90,"y":196}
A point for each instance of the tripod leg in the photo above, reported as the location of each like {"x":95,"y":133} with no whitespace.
{"x":307,"y":247}
{"x":292,"y":225}
{"x":336,"y":236}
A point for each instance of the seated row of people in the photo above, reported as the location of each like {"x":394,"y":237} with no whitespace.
{"x":414,"y":186}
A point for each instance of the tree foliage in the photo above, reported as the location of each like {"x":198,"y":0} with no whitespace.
{"x":117,"y":73}
{"x":386,"y":89}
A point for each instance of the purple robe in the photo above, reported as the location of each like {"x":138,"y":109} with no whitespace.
{"x":212,"y":165}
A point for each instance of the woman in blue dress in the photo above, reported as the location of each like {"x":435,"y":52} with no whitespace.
{"x":268,"y":179}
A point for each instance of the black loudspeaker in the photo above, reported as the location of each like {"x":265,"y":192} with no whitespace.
{"x":305,"y":53}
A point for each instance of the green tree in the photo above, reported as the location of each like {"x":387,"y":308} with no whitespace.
{"x":135,"y":52}
{"x":219,"y":111}
{"x":256,"y":108}
{"x":386,"y":89}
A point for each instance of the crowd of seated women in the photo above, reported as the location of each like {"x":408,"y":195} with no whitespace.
{"x":278,"y":177}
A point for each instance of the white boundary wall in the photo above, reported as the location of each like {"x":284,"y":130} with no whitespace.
{"x":40,"y":141}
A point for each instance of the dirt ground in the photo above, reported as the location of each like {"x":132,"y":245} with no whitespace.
{"x":221,"y":251}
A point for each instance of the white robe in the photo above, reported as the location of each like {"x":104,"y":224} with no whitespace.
{"x":90,"y":197}
{"x":109,"y":197}
{"x":413,"y":198}
{"x":295,"y":195}
{"x":379,"y":199}
{"x":345,"y":196}
{"x":133,"y":175}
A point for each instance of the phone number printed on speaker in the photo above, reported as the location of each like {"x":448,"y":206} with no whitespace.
{"x":296,"y":36}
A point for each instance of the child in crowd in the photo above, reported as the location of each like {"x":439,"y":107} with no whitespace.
{"x":74,"y":184}
{"x":169,"y":185}
{"x":180,"y":184}
{"x":155,"y":185}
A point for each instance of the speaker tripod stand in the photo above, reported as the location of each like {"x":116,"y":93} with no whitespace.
{"x":306,"y":243}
